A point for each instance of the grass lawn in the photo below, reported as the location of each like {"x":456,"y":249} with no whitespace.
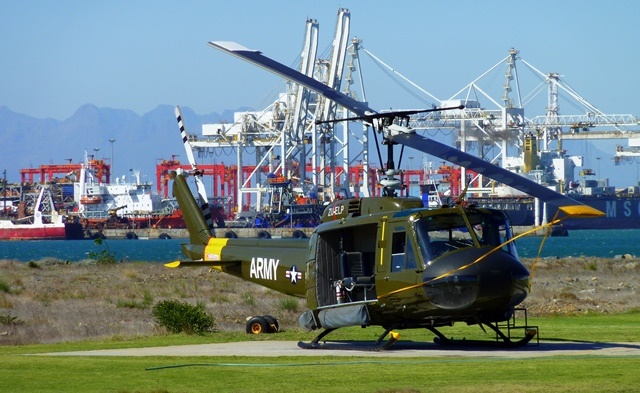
{"x":20,"y":372}
{"x":323,"y":374}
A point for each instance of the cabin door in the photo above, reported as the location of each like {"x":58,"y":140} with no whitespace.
{"x":397,"y":265}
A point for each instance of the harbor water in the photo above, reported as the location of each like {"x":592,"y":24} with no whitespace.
{"x":589,"y":243}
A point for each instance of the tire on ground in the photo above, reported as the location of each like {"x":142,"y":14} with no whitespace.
{"x":272,"y":322}
{"x":257,"y":325}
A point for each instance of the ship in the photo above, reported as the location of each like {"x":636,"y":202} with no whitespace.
{"x":122,"y":204}
{"x":554,"y":169}
{"x":621,"y":206}
{"x":43,"y":222}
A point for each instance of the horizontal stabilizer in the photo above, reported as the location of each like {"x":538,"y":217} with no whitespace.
{"x":176,"y":264}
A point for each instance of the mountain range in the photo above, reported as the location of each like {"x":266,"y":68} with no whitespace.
{"x":140,"y":141}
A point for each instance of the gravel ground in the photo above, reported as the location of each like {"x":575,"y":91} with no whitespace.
{"x":49,"y":301}
{"x":578,"y":285}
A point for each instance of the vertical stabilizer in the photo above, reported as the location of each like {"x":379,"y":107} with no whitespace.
{"x":199,"y":233}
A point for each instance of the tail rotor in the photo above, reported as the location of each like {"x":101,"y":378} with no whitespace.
{"x":197,"y":175}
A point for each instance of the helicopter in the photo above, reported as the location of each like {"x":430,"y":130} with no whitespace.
{"x":384,"y":261}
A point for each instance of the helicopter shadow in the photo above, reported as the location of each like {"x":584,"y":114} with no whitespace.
{"x":551,"y":346}
{"x":548,"y":347}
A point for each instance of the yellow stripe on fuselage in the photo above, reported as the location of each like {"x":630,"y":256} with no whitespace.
{"x":384,"y":228}
{"x":213,"y":249}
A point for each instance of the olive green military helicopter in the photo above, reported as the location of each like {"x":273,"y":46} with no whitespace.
{"x":384,"y":261}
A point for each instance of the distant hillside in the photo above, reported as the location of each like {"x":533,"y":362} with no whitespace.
{"x":28,"y":142}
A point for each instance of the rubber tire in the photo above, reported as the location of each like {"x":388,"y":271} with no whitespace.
{"x":164,"y":236}
{"x":264,"y":235}
{"x":298,"y":234}
{"x":272,"y":322}
{"x":131,"y":236}
{"x":98,"y":235}
{"x":257,"y":325}
{"x":230,"y":235}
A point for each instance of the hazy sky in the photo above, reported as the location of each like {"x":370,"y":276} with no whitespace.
{"x":59,"y":55}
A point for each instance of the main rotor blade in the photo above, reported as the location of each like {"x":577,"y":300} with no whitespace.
{"x":495,"y":172}
{"x":412,"y":140}
{"x":256,"y":57}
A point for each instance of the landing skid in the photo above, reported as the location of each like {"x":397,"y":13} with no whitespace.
{"x":502,"y":340}
{"x":378,"y":345}
{"x":502,"y":330}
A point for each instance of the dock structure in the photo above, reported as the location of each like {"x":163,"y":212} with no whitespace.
{"x":179,"y":233}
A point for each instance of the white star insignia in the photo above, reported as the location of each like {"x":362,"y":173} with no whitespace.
{"x":293,"y":274}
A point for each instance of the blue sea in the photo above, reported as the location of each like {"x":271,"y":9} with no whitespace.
{"x":591,"y":243}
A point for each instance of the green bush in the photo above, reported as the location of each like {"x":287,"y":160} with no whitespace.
{"x":289,"y":304}
{"x":33,"y":265}
{"x":103,"y":257}
{"x":4,"y":286}
{"x":8,"y":319}
{"x":179,"y":317}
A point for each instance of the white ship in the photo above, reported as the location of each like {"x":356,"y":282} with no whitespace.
{"x":126,"y":202}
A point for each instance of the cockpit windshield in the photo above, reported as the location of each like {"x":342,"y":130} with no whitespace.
{"x":442,"y":233}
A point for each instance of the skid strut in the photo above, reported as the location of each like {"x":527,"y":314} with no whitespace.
{"x":502,"y":340}
{"x":379,"y":345}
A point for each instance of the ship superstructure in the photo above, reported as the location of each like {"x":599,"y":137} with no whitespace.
{"x":124,"y":198}
{"x":133,"y":203}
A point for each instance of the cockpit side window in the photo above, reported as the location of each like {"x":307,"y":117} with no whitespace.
{"x":402,"y":253}
{"x":493,"y":230}
{"x":398,"y":250}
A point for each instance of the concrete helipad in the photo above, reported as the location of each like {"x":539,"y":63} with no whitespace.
{"x":400,"y":349}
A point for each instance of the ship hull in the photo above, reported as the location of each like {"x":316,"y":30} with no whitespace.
{"x":28,"y":232}
{"x":172,"y":221}
{"x":519,"y":209}
{"x":73,"y":231}
{"x":620,"y":212}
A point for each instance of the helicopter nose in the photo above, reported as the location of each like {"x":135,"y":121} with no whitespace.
{"x":490,"y":283}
